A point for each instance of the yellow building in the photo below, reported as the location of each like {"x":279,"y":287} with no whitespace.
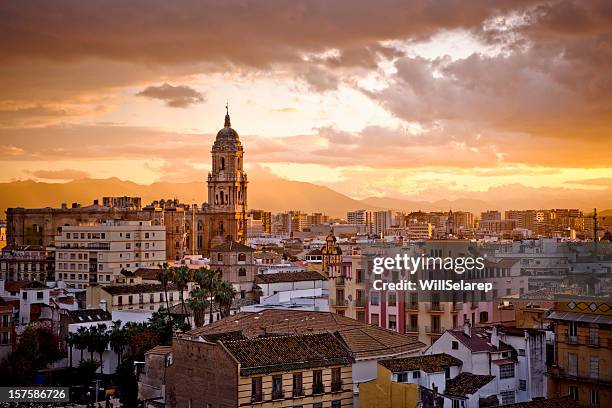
{"x":383,"y":392}
{"x":583,"y":351}
{"x":2,"y":236}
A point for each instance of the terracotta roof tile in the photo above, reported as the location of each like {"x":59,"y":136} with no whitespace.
{"x":232,"y":246}
{"x":466,"y":384}
{"x":261,"y":355}
{"x":363,"y":340}
{"x":289,"y":277}
{"x":431,"y":363}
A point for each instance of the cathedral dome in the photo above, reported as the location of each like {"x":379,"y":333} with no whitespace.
{"x":227,"y":138}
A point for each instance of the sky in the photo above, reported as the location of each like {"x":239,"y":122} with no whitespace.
{"x":419,"y":99}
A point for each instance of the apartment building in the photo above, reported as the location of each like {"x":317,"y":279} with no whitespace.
{"x":381,"y":220}
{"x":514,"y":357}
{"x":347,"y":288}
{"x":583,"y":357}
{"x":361,"y":217}
{"x":143,"y":296}
{"x":97,"y":253}
{"x":8,"y":311}
{"x":26,"y":262}
{"x":313,"y":370}
{"x":367,"y":343}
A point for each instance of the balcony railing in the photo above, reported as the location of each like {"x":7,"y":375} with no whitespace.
{"x":339,"y":302}
{"x":318,"y":388}
{"x":360,"y":302}
{"x":297,"y":392}
{"x":434,"y":329}
{"x":336,"y":386}
{"x":278,"y":394}
{"x":578,"y":375}
{"x":435,"y":307}
{"x":412,"y":306}
{"x":257,"y":397}
{"x":412,"y":329}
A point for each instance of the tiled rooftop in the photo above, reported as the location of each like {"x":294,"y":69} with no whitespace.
{"x":89,"y":315}
{"x":140,"y":288}
{"x":289,"y":277}
{"x":232,"y":246}
{"x":479,"y":341}
{"x":363,"y":340}
{"x":263,"y":355}
{"x":431,"y":363}
{"x":563,"y":402}
{"x":466,"y":384}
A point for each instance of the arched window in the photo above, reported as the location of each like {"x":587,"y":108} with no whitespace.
{"x":241,"y":272}
{"x":221,"y":227}
{"x":241,"y":257}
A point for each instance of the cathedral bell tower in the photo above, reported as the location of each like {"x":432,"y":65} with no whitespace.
{"x":227,"y":189}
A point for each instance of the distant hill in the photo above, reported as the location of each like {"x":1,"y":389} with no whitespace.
{"x":272,"y":195}
{"x":278,"y":195}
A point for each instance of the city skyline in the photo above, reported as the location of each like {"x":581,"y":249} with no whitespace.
{"x":460,"y":101}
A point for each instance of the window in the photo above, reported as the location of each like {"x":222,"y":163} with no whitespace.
{"x":572,"y":329}
{"x":447,"y":372}
{"x":374,"y":319}
{"x":151,"y":298}
{"x":392,"y":298}
{"x":241,"y":257}
{"x":507,"y":397}
{"x":416,"y":374}
{"x":594,"y":367}
{"x":392,"y":322}
{"x":120,"y":300}
{"x":336,"y":403}
{"x":572,"y":391}
{"x":219,"y":257}
{"x":317,"y":405}
{"x":455,"y":345}
{"x":521,"y":352}
{"x":256,"y":392}
{"x":572,"y":364}
{"x":277,"y":387}
{"x":455,"y":403}
{"x":402,"y":377}
{"x":39,"y":295}
{"x":484,"y":317}
{"x":241,"y":272}
{"x":336,"y":378}
{"x":374,"y":298}
{"x":506,"y":371}
{"x":523,"y":385}
{"x":24,"y":296}
{"x":298,"y":388}
{"x":317,"y":382}
{"x":594,"y":397}
{"x":130,"y":299}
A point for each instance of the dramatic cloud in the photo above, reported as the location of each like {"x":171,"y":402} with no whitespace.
{"x":179,"y":96}
{"x":68,"y":174}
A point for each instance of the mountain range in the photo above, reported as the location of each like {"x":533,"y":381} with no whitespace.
{"x":279,"y":195}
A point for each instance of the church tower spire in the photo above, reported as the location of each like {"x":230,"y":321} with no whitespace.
{"x":227,"y":188}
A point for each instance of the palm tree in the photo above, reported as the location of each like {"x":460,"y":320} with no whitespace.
{"x":71,"y":339}
{"x":209,"y":280}
{"x":181,"y":277}
{"x":81,"y":340}
{"x":198,"y":302}
{"x":117,"y":336}
{"x":164,"y":276}
{"x":224,"y":296}
{"x":99,"y":340}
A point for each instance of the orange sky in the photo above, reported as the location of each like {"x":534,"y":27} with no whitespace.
{"x":405,"y":99}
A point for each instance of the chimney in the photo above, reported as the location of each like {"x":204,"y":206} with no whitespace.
{"x":103,"y":305}
{"x":64,"y":206}
{"x":467,"y":328}
{"x":494,"y":337}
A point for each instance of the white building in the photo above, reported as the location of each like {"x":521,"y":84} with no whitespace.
{"x":360,"y":217}
{"x":515,"y":357}
{"x":97,"y":253}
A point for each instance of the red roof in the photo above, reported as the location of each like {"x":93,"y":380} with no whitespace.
{"x":15,"y":286}
{"x":479,"y":341}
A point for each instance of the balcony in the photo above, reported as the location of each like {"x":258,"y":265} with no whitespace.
{"x":457,"y":306}
{"x":278,"y":394}
{"x":339,"y":281}
{"x":318,"y":388}
{"x":360,"y":302}
{"x":580,"y":376}
{"x":434,"y":330}
{"x":435,"y":308}
{"x":257,"y":397}
{"x":412,"y":329}
{"x":336,"y":386}
{"x":298,"y":392}
{"x":339,"y":302}
{"x":412,"y":306}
